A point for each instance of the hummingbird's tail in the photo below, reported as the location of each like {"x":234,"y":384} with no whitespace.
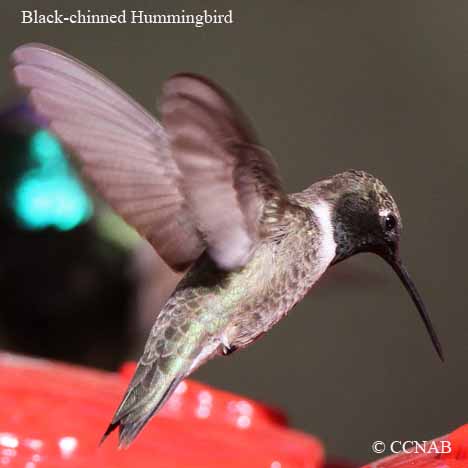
{"x":176,"y":346}
{"x":147,"y":392}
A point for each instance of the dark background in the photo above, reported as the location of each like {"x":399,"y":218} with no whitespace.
{"x":330,"y":85}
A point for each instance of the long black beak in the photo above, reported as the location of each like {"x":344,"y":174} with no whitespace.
{"x":404,"y":276}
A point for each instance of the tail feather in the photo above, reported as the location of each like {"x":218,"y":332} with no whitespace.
{"x":131,"y":425}
{"x":139,"y":404}
{"x":109,"y":431}
{"x":167,"y":359}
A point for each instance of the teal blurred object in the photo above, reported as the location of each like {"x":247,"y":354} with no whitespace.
{"x":50,"y":194}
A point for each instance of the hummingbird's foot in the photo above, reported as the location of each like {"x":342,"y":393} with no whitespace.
{"x":227,"y":349}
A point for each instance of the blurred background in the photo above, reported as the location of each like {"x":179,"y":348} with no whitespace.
{"x":329,"y":85}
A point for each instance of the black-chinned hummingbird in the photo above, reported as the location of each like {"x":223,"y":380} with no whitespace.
{"x":209,"y":199}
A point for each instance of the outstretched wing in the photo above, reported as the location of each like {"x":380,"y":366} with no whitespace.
{"x":197,"y":182}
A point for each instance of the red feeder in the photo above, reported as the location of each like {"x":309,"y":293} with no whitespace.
{"x":53,"y":415}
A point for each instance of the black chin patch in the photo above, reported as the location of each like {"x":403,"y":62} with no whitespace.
{"x":356,"y":223}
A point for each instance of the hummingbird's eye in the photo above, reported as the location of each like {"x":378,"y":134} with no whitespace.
{"x":390,"y":222}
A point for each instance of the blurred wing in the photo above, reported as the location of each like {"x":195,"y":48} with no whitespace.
{"x":226,"y":176}
{"x":121,"y":148}
{"x":134,"y":162}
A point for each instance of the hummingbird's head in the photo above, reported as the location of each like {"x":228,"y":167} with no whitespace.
{"x":365,"y":218}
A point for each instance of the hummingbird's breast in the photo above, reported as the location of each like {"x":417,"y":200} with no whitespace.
{"x":281,"y":273}
{"x":215,"y":308}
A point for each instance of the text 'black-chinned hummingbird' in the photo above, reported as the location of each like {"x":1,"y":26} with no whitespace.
{"x":209,"y":199}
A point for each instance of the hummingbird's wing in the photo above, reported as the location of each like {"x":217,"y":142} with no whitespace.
{"x":227,"y":177}
{"x":197,"y":182}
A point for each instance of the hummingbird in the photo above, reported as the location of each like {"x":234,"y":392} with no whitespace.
{"x":208,"y":197}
